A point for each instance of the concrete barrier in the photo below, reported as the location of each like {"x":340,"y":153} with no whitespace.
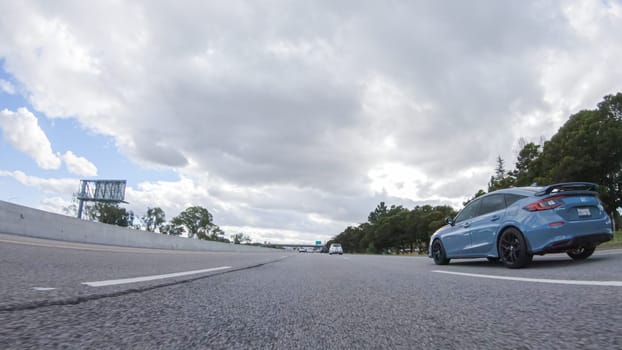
{"x":20,"y":220}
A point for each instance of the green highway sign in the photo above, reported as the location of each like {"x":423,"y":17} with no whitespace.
{"x":318,"y":242}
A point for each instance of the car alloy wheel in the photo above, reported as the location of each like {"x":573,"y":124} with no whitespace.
{"x":438,"y":253}
{"x":512,"y":249}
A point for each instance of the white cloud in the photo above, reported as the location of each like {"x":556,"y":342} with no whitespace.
{"x":21,"y":129}
{"x":275,"y":116}
{"x":48,"y":186}
{"x":79,"y":165}
{"x":7,"y":87}
{"x":172,"y":196}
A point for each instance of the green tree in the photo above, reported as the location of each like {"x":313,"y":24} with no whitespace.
{"x":394,"y":229}
{"x":216,"y":234}
{"x":170,"y":229}
{"x":527,"y":165}
{"x":154,"y":218}
{"x":110,"y":213}
{"x":611,"y":112}
{"x":427,"y":220}
{"x":240,"y":238}
{"x":501,"y":178}
{"x":588,"y":148}
{"x":197,"y":221}
{"x":375,"y":215}
{"x":352,"y":239}
{"x":390,"y":229}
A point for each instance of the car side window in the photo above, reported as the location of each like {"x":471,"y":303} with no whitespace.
{"x":511,"y":198}
{"x":469,"y":211}
{"x":492,"y":203}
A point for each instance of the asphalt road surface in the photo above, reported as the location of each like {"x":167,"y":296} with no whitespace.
{"x":71,"y":296}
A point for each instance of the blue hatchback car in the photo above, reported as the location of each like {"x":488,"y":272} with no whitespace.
{"x":514,"y":224}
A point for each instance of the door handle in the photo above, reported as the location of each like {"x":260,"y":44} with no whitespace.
{"x":494,"y":218}
{"x":466,"y":224}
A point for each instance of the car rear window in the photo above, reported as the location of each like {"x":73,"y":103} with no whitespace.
{"x":492,"y":203}
{"x":511,"y":198}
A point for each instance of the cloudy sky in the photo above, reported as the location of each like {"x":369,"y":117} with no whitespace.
{"x":289,"y":120}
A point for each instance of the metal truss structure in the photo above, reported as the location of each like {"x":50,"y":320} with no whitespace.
{"x":108,"y":191}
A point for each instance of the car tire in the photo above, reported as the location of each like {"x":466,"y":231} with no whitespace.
{"x":438,"y":253}
{"x":581,"y":253}
{"x":512,"y":249}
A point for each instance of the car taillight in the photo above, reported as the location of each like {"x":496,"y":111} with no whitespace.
{"x":545,"y":204}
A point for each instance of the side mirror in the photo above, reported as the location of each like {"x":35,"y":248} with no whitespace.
{"x":449,"y":221}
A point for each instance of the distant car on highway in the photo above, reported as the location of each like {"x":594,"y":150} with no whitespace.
{"x":514,"y":224}
{"x":302,"y":250}
{"x":335,"y":248}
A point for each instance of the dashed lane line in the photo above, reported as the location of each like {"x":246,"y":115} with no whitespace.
{"x":151,"y":278}
{"x":536,"y":280}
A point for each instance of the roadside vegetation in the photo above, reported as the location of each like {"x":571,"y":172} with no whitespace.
{"x":193,"y":222}
{"x":616,"y":243}
{"x":587,"y":147}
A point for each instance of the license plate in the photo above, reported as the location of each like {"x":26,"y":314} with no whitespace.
{"x":584,"y":212}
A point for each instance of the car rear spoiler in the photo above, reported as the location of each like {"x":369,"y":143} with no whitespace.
{"x":568,"y":186}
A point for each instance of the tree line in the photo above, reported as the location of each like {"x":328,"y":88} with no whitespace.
{"x":394,"y":229}
{"x":194,"y":221}
{"x":588,"y":147}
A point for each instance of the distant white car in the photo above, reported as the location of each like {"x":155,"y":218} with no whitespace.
{"x":302,"y":250}
{"x":335,"y":248}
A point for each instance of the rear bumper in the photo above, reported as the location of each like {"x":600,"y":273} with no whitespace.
{"x":574,"y":242}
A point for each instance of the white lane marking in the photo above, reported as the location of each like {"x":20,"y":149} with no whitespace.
{"x":43,"y":289}
{"x":151,"y":278}
{"x":538,"y":280}
{"x":608,"y":252}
